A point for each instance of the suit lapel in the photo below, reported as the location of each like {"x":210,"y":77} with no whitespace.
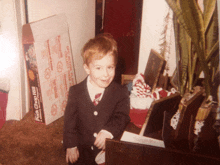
{"x":85,"y":94}
{"x":107,"y":94}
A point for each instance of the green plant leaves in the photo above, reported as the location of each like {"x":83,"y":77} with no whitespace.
{"x":201,"y":40}
{"x":209,"y":7}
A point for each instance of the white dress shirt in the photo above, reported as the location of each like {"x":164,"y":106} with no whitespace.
{"x":93,"y":90}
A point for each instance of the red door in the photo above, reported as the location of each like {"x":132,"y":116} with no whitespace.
{"x":122,"y":19}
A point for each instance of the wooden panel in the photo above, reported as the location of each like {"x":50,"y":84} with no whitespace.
{"x":189,"y":109}
{"x":155,"y":114}
{"x":179,"y":138}
{"x":125,"y":153}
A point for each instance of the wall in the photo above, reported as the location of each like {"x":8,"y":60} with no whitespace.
{"x":10,"y":49}
{"x":151,"y":29}
{"x":81,"y":19}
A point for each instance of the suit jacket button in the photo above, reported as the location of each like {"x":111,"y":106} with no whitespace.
{"x":95,"y":113}
{"x":95,"y":134}
{"x":92,"y":148}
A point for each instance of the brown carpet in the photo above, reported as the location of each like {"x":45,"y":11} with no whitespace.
{"x":26,"y":142}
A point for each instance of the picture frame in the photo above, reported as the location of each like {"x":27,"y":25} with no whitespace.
{"x":153,"y":69}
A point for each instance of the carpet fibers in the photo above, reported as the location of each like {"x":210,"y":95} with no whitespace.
{"x":26,"y":142}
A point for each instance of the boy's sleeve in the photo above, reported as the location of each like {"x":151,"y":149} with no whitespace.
{"x":70,"y":116}
{"x":120,"y":118}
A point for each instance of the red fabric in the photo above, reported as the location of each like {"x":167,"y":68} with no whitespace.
{"x":138,"y":116}
{"x":3,"y":105}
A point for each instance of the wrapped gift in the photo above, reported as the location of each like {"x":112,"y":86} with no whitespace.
{"x":140,"y":100}
{"x":138,"y":116}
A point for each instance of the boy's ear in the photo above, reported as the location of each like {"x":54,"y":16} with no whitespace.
{"x":86,"y":68}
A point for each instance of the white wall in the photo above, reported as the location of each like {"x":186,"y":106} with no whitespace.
{"x":151,"y":29}
{"x":10,"y":49}
{"x":81,"y":19}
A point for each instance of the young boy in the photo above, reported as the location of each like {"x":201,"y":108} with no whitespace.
{"x":88,"y":123}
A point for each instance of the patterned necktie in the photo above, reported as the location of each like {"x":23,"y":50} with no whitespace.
{"x":97,"y":99}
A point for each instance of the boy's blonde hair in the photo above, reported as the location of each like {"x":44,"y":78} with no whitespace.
{"x":99,"y":47}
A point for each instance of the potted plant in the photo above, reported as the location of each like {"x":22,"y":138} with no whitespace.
{"x":197,"y":47}
{"x":196,"y":36}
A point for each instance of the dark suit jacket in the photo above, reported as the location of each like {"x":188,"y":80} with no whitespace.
{"x":80,"y":121}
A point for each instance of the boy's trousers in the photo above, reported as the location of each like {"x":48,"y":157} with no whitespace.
{"x":86,"y":157}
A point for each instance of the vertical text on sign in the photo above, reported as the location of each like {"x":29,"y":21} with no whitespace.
{"x":36,"y":104}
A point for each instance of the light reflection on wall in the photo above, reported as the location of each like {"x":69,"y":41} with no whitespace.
{"x":153,"y":16}
{"x":7,"y":55}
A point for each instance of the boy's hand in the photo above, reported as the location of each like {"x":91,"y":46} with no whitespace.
{"x":72,"y":154}
{"x":100,"y":140}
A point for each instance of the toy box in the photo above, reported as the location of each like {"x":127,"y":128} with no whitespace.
{"x":49,"y":66}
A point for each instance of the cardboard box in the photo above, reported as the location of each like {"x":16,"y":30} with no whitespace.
{"x":49,"y":64}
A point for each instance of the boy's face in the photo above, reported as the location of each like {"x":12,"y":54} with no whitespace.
{"x":101,"y":71}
